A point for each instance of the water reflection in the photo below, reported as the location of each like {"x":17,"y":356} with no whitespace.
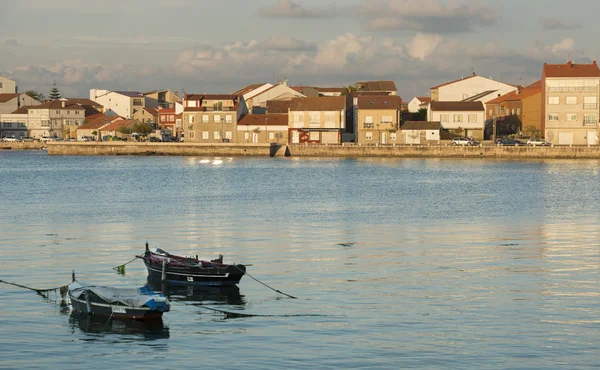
{"x":147,"y":330}
{"x":229,"y":295}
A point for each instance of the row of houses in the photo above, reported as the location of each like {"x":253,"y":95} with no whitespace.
{"x":561,"y":107}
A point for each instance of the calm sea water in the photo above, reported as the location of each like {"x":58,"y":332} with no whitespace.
{"x":396,"y":263}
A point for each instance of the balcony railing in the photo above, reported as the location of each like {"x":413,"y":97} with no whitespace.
{"x":590,"y":106}
{"x":368,"y":125}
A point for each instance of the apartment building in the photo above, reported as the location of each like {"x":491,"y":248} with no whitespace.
{"x":120,"y":103}
{"x":378,"y":119}
{"x":211,"y":118}
{"x":317,"y":120}
{"x":570,"y":95}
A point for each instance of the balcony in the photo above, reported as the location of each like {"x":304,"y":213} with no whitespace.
{"x":368,"y":125}
{"x":590,"y":106}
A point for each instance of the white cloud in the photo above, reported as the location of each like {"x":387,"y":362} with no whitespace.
{"x":431,"y":16}
{"x":567,"y":45}
{"x":292,"y":9}
{"x":422,"y":45}
{"x":286,"y":43}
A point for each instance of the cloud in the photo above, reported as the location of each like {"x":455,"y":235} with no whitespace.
{"x":565,"y":46}
{"x":291,"y":9}
{"x":286,"y":43}
{"x":423,"y":45}
{"x":11,"y":42}
{"x":551,"y":23}
{"x":430,"y":16}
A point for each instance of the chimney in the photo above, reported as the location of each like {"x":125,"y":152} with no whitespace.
{"x":594,"y":62}
{"x":570,"y":64}
{"x":63,"y":103}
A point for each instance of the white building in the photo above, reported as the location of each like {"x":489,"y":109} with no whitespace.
{"x":466,"y":117}
{"x":54,"y":118}
{"x":259,"y":97}
{"x":7,"y":86}
{"x":11,"y":102}
{"x":120,"y":103}
{"x":471,"y":88}
{"x":415,"y":104}
{"x":15,"y":123}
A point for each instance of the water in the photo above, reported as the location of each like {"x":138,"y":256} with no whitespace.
{"x":396,"y":263}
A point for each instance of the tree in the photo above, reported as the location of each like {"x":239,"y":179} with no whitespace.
{"x":349,"y":90}
{"x":421,"y":115}
{"x":533,"y":131}
{"x":35,"y":95}
{"x":54,"y":93}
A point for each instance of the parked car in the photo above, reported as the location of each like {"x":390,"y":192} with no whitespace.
{"x":538,"y":142}
{"x":49,"y":138}
{"x":508,"y":141}
{"x":464,"y":141}
{"x":10,"y":139}
{"x":28,"y":138}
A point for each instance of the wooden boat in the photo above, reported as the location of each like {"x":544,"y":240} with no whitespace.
{"x":173,"y":269}
{"x":121,"y":303}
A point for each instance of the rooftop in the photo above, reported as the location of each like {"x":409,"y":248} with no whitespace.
{"x":324,"y":103}
{"x":379,"y":102}
{"x":264,"y":119}
{"x":571,"y":69}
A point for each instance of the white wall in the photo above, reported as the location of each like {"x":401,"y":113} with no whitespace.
{"x":120,"y":104}
{"x":8,"y":86}
{"x":435,"y":116}
{"x":413,"y":106}
{"x":472,"y":86}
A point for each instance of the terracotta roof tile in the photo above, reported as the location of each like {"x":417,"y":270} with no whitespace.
{"x":377,"y":86}
{"x":278,"y":106}
{"x":455,"y":81}
{"x":264,"y":119}
{"x":58,"y":104}
{"x":534,"y":88}
{"x":424,"y":99}
{"x":7,"y":97}
{"x":116,"y":125}
{"x":379,"y":102}
{"x":325,"y":103}
{"x":571,"y":70}
{"x":84,"y":102}
{"x":457,"y":106}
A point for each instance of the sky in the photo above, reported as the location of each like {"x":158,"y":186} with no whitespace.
{"x":200,"y":46}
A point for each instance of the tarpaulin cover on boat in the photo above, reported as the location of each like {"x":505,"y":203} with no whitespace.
{"x":139,"y":297}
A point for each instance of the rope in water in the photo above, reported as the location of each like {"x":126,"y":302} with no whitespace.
{"x":63,"y":289}
{"x":255,"y":279}
{"x":121,"y":267}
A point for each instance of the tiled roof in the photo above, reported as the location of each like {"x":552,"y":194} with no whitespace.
{"x":571,"y":70}
{"x":264,"y":119}
{"x":377,"y":86}
{"x":420,"y":125}
{"x":97,"y":123}
{"x":7,"y":97}
{"x":456,"y":106}
{"x":166,"y":111}
{"x":210,"y":96}
{"x":84,"y":102}
{"x":325,"y":103}
{"x":278,"y":106}
{"x":370,"y":93}
{"x":480,"y":95}
{"x":379,"y":102}
{"x":534,"y":88}
{"x":247,"y":89}
{"x":116,"y":125}
{"x":424,"y":99}
{"x":152,"y":111}
{"x":23,"y":110}
{"x":58,"y":104}
{"x":131,"y":94}
{"x":331,"y":89}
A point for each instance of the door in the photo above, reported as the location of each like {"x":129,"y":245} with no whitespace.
{"x":384,"y":137}
{"x":565,"y":138}
{"x":295,"y":137}
{"x":255,"y":138}
{"x":591,"y":137}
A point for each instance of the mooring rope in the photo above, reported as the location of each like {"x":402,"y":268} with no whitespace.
{"x":121,"y":268}
{"x":63,"y":289}
{"x":252,"y":277}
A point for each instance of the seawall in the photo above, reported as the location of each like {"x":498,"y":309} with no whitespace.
{"x":28,"y":145}
{"x":301,"y":150}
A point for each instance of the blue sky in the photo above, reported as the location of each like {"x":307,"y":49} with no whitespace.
{"x":207,"y":46}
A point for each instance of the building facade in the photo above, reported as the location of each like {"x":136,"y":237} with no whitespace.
{"x":7,"y":86}
{"x":263,"y":128}
{"x":55,"y":118}
{"x":317,"y":120}
{"x":120,"y":103}
{"x":570,"y":96}
{"x":11,"y":102}
{"x":471,"y":88}
{"x":378,"y":119}
{"x":211,"y":118}
{"x":463,"y":118}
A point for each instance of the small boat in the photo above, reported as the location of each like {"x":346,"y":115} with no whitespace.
{"x":173,"y":269}
{"x":122,"y":303}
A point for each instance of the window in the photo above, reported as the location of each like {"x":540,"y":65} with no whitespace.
{"x":512,"y":111}
{"x":137,"y":101}
{"x":386,"y":119}
{"x":589,"y":119}
{"x":228,"y":119}
{"x":552,"y":116}
{"x":590,"y":102}
{"x":192,"y":119}
{"x":205,"y":118}
{"x":8,"y":124}
{"x":518,"y":111}
{"x":329,"y":116}
{"x":228,"y":135}
{"x":246,"y":135}
{"x":314,"y":136}
{"x":444,"y":118}
{"x":369,"y":135}
{"x":571,"y":117}
{"x":571,"y":100}
{"x":271,"y":135}
{"x":314,"y":118}
{"x":57,"y":112}
{"x":553,"y":100}
{"x":164,"y":118}
{"x":472,"y":118}
{"x":392,"y":136}
{"x":205,"y":135}
{"x":298,"y":117}
{"x":458,"y":118}
{"x":217,"y":118}
{"x":368,"y":122}
{"x":217,"y":135}
{"x":192,"y":135}
{"x":171,"y":118}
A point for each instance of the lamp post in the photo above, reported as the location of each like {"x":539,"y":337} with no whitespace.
{"x":267,"y":128}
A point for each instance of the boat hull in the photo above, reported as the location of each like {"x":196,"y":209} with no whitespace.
{"x":116,"y":311}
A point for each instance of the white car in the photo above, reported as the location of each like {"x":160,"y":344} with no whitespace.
{"x":464,"y":141}
{"x":538,"y":142}
{"x":10,"y":139}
